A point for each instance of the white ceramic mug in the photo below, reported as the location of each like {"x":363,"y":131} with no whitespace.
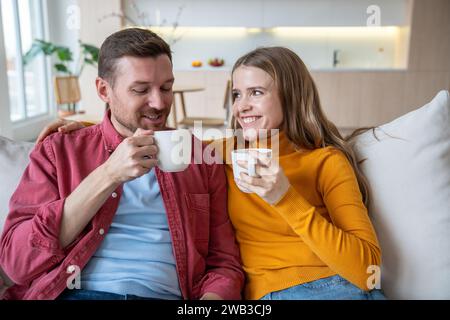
{"x":249,"y":155}
{"x":174,"y":149}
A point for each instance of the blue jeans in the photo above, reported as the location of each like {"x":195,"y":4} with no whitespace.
{"x":79,"y":294}
{"x":331,"y":288}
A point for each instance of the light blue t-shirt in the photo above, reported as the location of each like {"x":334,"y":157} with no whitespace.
{"x":136,"y":255}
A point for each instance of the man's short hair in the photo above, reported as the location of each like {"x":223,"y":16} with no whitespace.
{"x":133,"y":42}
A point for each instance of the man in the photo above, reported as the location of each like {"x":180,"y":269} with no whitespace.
{"x":92,"y":207}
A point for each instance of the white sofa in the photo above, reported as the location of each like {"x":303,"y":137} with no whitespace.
{"x":13,"y":161}
{"x":408,"y":168}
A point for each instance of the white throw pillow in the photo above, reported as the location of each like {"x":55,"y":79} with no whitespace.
{"x":13,"y":159}
{"x":409,"y":176}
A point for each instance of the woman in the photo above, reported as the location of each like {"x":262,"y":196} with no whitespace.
{"x":304,"y":231}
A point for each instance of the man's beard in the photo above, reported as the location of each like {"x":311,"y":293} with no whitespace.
{"x":129,"y":126}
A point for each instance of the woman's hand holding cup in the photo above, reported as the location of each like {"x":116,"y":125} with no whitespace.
{"x":262,"y":175}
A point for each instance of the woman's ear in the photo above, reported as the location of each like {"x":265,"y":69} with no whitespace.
{"x":103,"y":89}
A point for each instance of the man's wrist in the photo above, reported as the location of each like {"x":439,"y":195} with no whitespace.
{"x":107,"y":176}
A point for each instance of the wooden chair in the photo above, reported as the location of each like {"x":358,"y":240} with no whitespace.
{"x":208,"y":122}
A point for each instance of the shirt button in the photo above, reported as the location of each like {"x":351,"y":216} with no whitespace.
{"x":114,"y":195}
{"x":101,"y":231}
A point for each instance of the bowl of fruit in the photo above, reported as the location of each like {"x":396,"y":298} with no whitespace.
{"x":216,"y":62}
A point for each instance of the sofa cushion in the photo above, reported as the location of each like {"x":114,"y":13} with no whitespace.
{"x":14,"y":159}
{"x":408,"y":168}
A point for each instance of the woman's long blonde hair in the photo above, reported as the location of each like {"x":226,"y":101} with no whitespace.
{"x":304,"y":124}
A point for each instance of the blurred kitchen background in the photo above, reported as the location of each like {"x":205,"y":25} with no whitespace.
{"x":373,"y":60}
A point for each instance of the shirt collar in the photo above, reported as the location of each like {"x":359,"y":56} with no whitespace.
{"x":111,"y":137}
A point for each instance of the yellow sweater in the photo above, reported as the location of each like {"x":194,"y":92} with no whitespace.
{"x":318,"y":229}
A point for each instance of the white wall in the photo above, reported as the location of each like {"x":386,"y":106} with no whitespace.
{"x":5,"y":126}
{"x":95,"y":32}
{"x":61,"y":30}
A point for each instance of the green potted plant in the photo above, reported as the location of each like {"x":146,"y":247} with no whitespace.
{"x":66,"y":81}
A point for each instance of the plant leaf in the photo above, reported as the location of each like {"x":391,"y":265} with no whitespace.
{"x":90,"y":61}
{"x":47,"y":47}
{"x":39,"y":46}
{"x":91,"y":51}
{"x":31,"y":54}
{"x":64,"y":53}
{"x":62,"y":68}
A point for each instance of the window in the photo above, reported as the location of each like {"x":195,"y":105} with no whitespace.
{"x":28,"y":85}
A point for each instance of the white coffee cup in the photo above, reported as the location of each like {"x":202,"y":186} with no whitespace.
{"x":249,"y":155}
{"x":174,"y":149}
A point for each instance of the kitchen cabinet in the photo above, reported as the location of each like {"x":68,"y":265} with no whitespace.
{"x":199,"y":13}
{"x":340,"y":96}
{"x":267,"y":13}
{"x":332,"y":13}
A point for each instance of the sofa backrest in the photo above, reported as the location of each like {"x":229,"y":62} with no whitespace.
{"x":13,"y":160}
{"x":408,"y":168}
